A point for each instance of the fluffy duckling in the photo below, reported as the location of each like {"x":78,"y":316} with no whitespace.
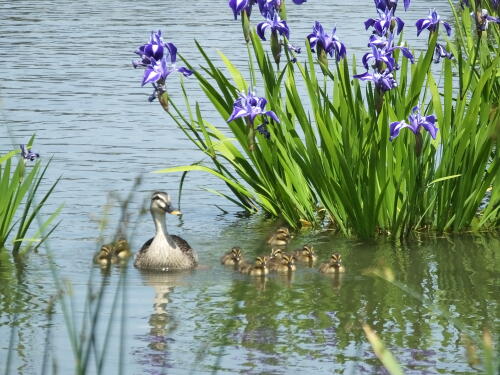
{"x":285,"y":265}
{"x":104,"y":256}
{"x":279,"y":238}
{"x":234,"y":257}
{"x":164,"y":252}
{"x":258,"y":269}
{"x":122,"y":250}
{"x":334,"y":265}
{"x":276,"y":255}
{"x":306,"y":254}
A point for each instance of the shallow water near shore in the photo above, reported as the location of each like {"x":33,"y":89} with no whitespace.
{"x":80,"y":95}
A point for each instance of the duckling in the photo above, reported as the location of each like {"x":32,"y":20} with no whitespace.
{"x":306,"y":254}
{"x":280,"y":238}
{"x":258,"y":269}
{"x":285,"y":265}
{"x":234,"y":257}
{"x":276,"y":255}
{"x":104,"y":256}
{"x":122,"y":250}
{"x":332,"y":266}
{"x":164,"y":252}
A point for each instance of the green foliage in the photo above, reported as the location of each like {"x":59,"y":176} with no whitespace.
{"x":19,"y":185}
{"x":331,"y":151}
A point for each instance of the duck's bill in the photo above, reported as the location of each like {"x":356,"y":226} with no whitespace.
{"x":175,"y":212}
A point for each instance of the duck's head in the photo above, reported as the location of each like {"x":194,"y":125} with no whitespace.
{"x":283,"y":230}
{"x":236,"y":254}
{"x":308,"y":251}
{"x":276,"y":253}
{"x":289,"y":261}
{"x":336,"y":260}
{"x":160,"y":204}
{"x":261,"y":261}
{"x":106,"y":251}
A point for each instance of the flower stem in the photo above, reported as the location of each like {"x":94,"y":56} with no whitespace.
{"x":251,"y":135}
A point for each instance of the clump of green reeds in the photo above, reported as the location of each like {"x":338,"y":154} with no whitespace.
{"x":331,"y":151}
{"x":19,"y":184}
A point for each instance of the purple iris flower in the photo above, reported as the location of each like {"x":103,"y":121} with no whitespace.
{"x":382,"y":50}
{"x":161,"y":69}
{"x":431,"y":23}
{"x":28,"y":154}
{"x":159,"y":60}
{"x":321,"y":41}
{"x":238,"y":6}
{"x":152,"y":50}
{"x":250,"y":106}
{"x":269,"y":5}
{"x":383,"y":81}
{"x":485,"y":18}
{"x":390,"y":4}
{"x":386,"y":21}
{"x":380,"y":56}
{"x":415,"y":122}
{"x":266,"y":6}
{"x":273,"y":22}
{"x":441,"y":52}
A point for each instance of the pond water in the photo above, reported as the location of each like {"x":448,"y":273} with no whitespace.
{"x":68,"y":78}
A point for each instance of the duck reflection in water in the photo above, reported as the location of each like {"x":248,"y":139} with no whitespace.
{"x":162,"y":324}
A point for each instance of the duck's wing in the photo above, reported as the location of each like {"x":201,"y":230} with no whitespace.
{"x":185,"y":247}
{"x":145,"y":247}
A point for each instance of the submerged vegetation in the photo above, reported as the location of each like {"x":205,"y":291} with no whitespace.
{"x":337,"y":155}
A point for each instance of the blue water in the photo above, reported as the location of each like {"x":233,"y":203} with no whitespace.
{"x":67,"y":77}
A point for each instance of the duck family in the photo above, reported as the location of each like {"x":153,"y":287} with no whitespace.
{"x":165,"y":252}
{"x":278,"y":260}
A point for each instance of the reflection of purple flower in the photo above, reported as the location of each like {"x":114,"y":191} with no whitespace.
{"x":385,"y":22}
{"x":28,"y":154}
{"x":383,"y":81}
{"x":415,"y":122}
{"x":323,"y":42}
{"x":431,"y":23}
{"x":441,"y":52}
{"x":274,"y":23}
{"x":250,"y":106}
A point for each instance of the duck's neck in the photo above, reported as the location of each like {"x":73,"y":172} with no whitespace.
{"x":160,"y":224}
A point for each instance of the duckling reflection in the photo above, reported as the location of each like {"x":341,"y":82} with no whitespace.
{"x":162,"y":324}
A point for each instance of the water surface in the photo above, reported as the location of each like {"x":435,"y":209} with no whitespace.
{"x":67,"y":77}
